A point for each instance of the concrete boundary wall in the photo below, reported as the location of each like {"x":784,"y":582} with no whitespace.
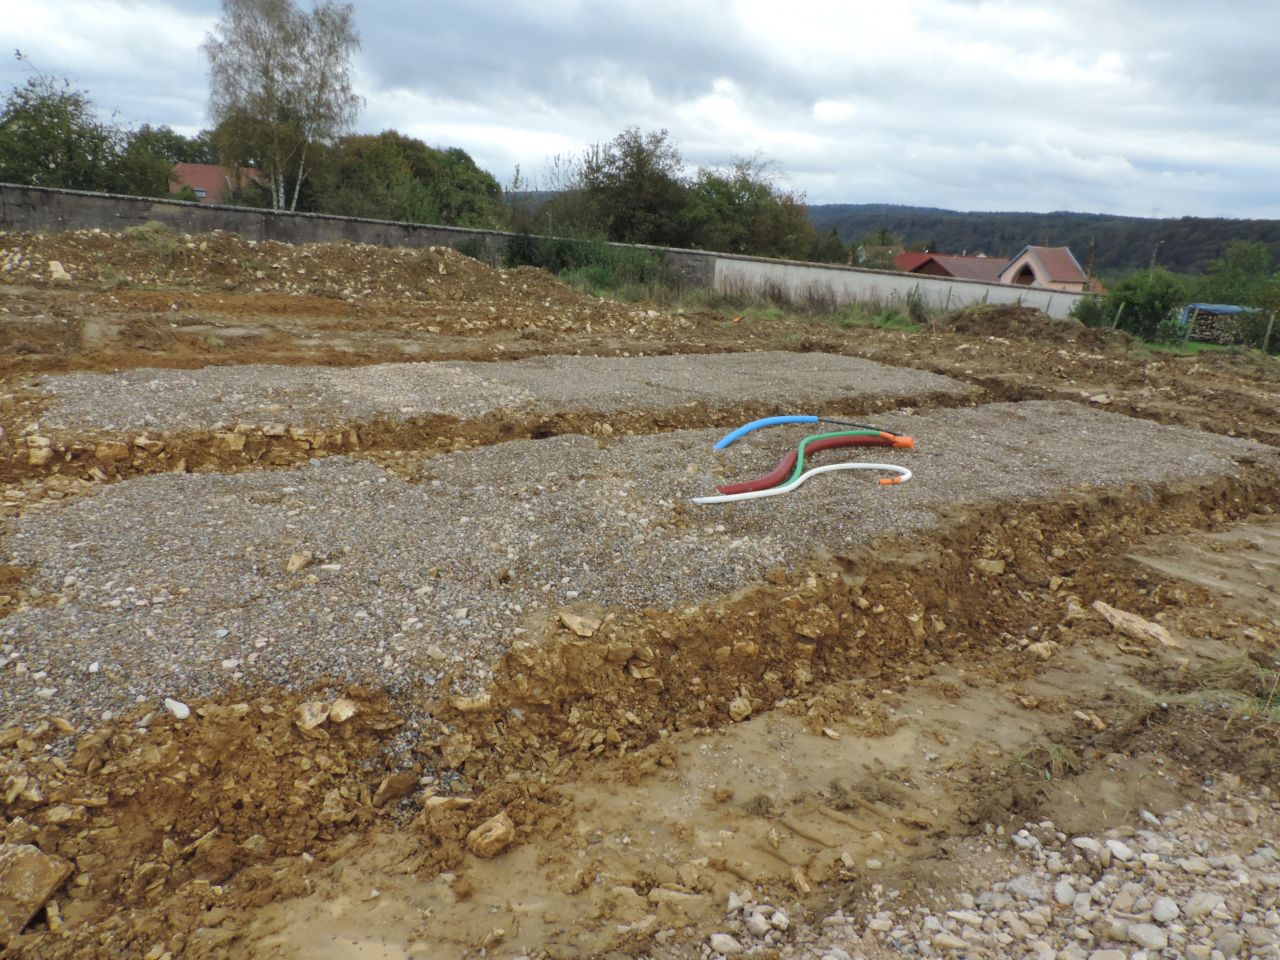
{"x":43,"y":209}
{"x":800,"y":281}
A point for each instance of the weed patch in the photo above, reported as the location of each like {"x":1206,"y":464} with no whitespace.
{"x":1238,"y":686}
{"x":1047,"y":761}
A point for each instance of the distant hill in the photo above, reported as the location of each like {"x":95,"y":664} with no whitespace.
{"x":1119,"y":244}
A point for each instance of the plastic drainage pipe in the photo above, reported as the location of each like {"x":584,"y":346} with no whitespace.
{"x":785,"y":465}
{"x":897,"y":441}
{"x":754,"y":425}
{"x":902,"y":476}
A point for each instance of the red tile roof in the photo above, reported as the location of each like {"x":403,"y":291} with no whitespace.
{"x":971,"y":268}
{"x":963,"y":268}
{"x":1057,"y":264}
{"x":909,"y":261}
{"x":1060,"y":264}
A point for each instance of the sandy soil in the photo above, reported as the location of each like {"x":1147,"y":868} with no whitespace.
{"x":846,"y":701}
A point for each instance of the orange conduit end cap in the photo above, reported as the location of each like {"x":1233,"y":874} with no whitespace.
{"x":889,"y":481}
{"x":907,"y":442}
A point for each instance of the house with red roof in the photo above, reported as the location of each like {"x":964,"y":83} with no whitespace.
{"x":1054,"y":268}
{"x":980,"y":267}
{"x":211,"y":182}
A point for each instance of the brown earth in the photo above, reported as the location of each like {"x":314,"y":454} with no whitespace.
{"x":950,"y":699}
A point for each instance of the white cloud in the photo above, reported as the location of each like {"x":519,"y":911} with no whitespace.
{"x":1114,"y":105}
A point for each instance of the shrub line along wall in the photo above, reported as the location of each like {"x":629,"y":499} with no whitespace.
{"x":42,"y":209}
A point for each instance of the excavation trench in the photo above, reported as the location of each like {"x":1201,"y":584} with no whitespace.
{"x":107,"y":459}
{"x":177,"y":827}
{"x":111,"y":426}
{"x":885,"y":613}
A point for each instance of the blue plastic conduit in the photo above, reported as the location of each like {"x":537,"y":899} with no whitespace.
{"x":754,"y":425}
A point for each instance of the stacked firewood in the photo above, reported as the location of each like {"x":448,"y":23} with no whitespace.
{"x":1216,"y":327}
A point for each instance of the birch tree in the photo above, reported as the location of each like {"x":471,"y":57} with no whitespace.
{"x":280,"y":85}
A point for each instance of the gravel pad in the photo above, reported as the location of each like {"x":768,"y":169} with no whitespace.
{"x":220,"y":397}
{"x":175,"y":585}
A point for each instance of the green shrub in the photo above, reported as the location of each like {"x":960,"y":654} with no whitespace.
{"x":917,"y":309}
{"x":1145,"y":302}
{"x":593,"y":263}
{"x":1091,"y":310}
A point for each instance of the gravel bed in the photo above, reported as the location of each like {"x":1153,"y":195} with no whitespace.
{"x":214,"y":398}
{"x":175,"y":585}
{"x":1201,"y":883}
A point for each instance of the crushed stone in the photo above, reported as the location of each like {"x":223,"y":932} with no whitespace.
{"x":176,"y":585}
{"x":220,"y":397}
{"x":1150,"y":906}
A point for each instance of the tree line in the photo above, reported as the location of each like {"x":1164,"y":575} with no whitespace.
{"x":282,"y":106}
{"x":1113,"y":244}
{"x":51,"y":136}
{"x":283,"y":111}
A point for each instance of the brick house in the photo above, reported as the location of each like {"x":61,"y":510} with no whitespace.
{"x":211,"y":182}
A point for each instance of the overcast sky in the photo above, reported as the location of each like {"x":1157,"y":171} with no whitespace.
{"x":1145,"y":107}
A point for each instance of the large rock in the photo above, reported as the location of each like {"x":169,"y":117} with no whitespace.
{"x":491,"y":837}
{"x":28,"y":878}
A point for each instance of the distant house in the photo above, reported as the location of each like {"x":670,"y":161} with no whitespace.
{"x":950,"y":265}
{"x":1053,"y":268}
{"x":212,"y":183}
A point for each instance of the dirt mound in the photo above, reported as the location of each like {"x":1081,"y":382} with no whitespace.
{"x":154,"y":809}
{"x":154,"y":256}
{"x":1005,"y":320}
{"x":441,"y":289}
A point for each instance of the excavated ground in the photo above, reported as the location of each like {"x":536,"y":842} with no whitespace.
{"x":806,"y":701}
{"x":411,"y":586}
{"x":144,"y":421}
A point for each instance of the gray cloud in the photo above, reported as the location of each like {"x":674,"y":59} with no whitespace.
{"x":1129,"y":106}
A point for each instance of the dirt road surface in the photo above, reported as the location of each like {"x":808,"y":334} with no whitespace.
{"x":353,"y":604}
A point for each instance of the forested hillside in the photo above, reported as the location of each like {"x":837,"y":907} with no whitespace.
{"x":1186,"y":244}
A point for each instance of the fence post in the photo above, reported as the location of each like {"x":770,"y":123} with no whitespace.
{"x":1266,"y":340}
{"x":1116,"y":322}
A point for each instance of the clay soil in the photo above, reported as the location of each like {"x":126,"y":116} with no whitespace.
{"x":968,"y":682}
